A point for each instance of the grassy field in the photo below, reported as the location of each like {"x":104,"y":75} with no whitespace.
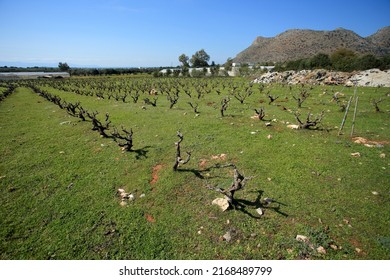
{"x":59,"y":179}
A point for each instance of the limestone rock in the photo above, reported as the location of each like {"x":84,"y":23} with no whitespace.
{"x":302,"y":238}
{"x":223,"y":203}
{"x":227,"y":236}
{"x":321,"y":250}
{"x":260,"y":211}
{"x":293,"y":126}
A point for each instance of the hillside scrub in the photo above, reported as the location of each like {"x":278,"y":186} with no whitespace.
{"x":344,"y":60}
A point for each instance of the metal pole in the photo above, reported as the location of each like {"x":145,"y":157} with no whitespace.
{"x":345,"y":116}
{"x":354,"y":116}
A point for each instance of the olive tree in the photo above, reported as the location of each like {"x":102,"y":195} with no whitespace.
{"x":200,"y":59}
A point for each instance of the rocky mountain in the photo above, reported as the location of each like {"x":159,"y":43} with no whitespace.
{"x":303,"y":43}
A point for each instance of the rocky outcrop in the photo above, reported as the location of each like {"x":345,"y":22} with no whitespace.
{"x":372,"y":77}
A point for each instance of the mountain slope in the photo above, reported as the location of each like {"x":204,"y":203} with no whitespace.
{"x":302,"y":43}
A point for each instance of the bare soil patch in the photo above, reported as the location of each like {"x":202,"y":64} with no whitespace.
{"x":155,"y":171}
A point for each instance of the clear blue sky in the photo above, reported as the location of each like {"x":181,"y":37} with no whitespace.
{"x":126,"y":33}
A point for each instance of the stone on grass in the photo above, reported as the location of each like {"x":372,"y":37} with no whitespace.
{"x":260,"y":211}
{"x":227,"y":236}
{"x":305,"y":239}
{"x":293,"y":126}
{"x":302,"y":238}
{"x":223,"y":203}
{"x":334,"y":247}
{"x":357,"y":154}
{"x":321,"y":250}
{"x":124,"y":195}
{"x":358,"y":250}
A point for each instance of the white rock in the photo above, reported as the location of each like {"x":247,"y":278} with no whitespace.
{"x":375,"y":193}
{"x":321,"y":250}
{"x":369,"y":145}
{"x":269,"y":136}
{"x":268,"y":124}
{"x":334,"y":247}
{"x":358,"y":250}
{"x":302,"y":238}
{"x":142,"y":195}
{"x":260,"y":211}
{"x":357,"y":154}
{"x":227,"y":236}
{"x":382,"y":155}
{"x":124,"y":195}
{"x":293,"y":126}
{"x":223,"y":203}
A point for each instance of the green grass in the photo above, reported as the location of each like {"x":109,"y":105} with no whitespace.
{"x":59,"y":179}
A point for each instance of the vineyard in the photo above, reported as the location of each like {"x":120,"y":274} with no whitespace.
{"x":133,"y":167}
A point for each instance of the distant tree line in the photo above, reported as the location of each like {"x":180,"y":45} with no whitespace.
{"x":340,"y":60}
{"x":111,"y":71}
{"x":83,"y":71}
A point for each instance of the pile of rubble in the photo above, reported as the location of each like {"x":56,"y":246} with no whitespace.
{"x":372,"y":77}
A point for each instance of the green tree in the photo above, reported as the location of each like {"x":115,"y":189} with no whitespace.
{"x":176,"y":73}
{"x":367,"y":61}
{"x":200,"y":59}
{"x":343,"y":60}
{"x":320,"y":60}
{"x":197,"y":73}
{"x":168,"y":72}
{"x":385,"y":62}
{"x":228,"y":65}
{"x":244,"y":69}
{"x":214,"y":70}
{"x":184,"y":60}
{"x":63,"y":66}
